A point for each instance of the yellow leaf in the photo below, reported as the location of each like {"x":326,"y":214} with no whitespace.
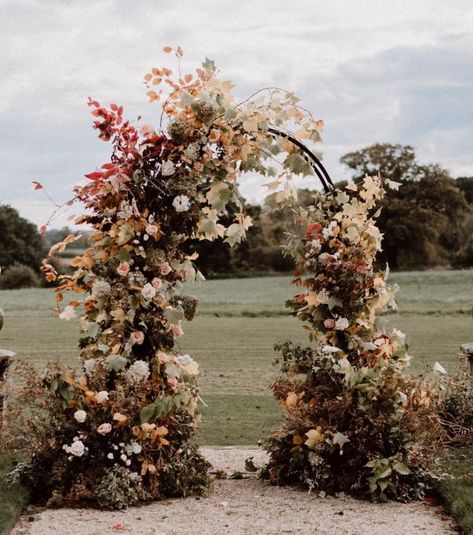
{"x":314,"y":437}
{"x":311,"y":299}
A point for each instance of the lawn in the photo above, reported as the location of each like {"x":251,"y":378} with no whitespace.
{"x":238,"y":322}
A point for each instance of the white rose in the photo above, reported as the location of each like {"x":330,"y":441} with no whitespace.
{"x":80,"y":416}
{"x":148,"y":291}
{"x":102,"y":396}
{"x":77,"y":448}
{"x":136,"y":448}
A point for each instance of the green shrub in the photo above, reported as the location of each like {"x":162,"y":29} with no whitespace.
{"x":19,"y":276}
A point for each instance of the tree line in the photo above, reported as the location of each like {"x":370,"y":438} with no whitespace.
{"x":427,"y":222}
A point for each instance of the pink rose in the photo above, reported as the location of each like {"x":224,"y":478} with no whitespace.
{"x":157,"y":283}
{"x":172,"y":382}
{"x":177,"y":330}
{"x":165,"y":268}
{"x":123,"y":269}
{"x":329,"y":323}
{"x":138,"y":337}
{"x":104,"y":429}
{"x":152,"y":230}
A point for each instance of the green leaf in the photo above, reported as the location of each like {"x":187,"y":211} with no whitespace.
{"x":173,"y":315}
{"x":147,"y":414}
{"x":386,"y":473}
{"x":116,"y":362}
{"x":401,"y":468}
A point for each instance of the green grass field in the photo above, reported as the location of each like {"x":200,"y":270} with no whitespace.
{"x":232,"y":337}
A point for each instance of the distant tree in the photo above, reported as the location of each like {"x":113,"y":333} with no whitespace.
{"x":53,"y":236}
{"x":465,"y":183}
{"x":20,"y":241}
{"x":423,"y":221}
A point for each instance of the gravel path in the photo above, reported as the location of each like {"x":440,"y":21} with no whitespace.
{"x":245,"y":507}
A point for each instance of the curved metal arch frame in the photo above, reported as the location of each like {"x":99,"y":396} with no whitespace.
{"x":316,"y":164}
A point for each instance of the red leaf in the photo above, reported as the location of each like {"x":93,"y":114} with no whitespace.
{"x":37,"y":185}
{"x":94,"y":176}
{"x":108,"y":166}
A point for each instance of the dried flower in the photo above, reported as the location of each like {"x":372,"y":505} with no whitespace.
{"x":181,"y":203}
{"x":168,"y":168}
{"x":138,"y":371}
{"x":100,"y":288}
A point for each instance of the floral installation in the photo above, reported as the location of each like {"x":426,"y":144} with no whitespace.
{"x":355,"y":420}
{"x":124,"y":419}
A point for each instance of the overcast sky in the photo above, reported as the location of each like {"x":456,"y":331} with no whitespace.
{"x":394,"y":71}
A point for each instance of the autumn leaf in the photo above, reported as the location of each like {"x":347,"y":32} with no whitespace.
{"x":37,"y":185}
{"x":314,"y":437}
{"x":167,"y":49}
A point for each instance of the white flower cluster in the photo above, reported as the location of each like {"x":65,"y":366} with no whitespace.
{"x":100,"y":288}
{"x":168,"y":168}
{"x":181,"y":203}
{"x":124,"y":451}
{"x":138,"y":371}
{"x":192,"y":151}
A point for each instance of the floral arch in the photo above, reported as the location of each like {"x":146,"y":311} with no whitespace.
{"x":120,"y":427}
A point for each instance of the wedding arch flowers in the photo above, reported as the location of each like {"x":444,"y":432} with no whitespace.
{"x":119,"y":426}
{"x":354,"y":419}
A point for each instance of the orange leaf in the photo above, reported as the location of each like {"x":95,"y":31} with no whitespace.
{"x":167,"y":49}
